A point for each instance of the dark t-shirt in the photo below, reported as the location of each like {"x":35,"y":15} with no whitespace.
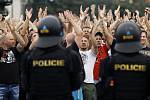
{"x":9,"y":70}
{"x":145,"y":51}
{"x":74,"y":47}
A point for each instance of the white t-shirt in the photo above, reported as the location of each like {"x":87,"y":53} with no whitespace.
{"x":88,"y":58}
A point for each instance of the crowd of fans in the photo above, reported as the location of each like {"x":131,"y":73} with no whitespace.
{"x":90,"y":35}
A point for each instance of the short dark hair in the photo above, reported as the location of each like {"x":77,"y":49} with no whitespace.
{"x":144,"y":32}
{"x":99,"y":34}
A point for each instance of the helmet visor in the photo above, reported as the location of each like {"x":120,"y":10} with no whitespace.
{"x":128,"y":47}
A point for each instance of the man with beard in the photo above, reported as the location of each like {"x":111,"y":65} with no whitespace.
{"x":89,"y":57}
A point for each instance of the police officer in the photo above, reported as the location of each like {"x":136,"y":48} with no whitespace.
{"x":126,"y":75}
{"x":50,"y":72}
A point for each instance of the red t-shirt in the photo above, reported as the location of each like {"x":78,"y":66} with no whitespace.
{"x":102,"y":53}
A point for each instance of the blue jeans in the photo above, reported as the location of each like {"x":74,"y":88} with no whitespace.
{"x":78,"y":95}
{"x":9,"y":92}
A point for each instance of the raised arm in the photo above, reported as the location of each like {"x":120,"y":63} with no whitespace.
{"x":108,"y":35}
{"x":76,"y":27}
{"x":17,"y":36}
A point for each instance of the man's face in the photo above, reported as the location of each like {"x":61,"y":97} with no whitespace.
{"x":99,"y":40}
{"x":34,"y":37}
{"x":86,"y":32}
{"x":143,"y":38}
{"x":10,"y":41}
{"x":84,"y":43}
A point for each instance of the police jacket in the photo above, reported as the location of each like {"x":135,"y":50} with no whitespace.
{"x":51,"y":73}
{"x":125,"y":77}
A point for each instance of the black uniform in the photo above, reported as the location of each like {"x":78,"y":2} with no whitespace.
{"x":126,"y":74}
{"x":130,"y":75}
{"x":51,"y":73}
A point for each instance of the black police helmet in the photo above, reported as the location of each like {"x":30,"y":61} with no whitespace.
{"x":50,"y":32}
{"x":128,"y":38}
